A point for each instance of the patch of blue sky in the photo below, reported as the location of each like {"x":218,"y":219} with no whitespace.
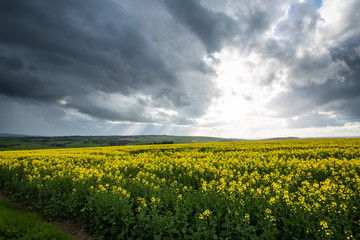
{"x":318,"y":3}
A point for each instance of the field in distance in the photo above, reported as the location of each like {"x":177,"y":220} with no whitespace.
{"x":22,"y":142}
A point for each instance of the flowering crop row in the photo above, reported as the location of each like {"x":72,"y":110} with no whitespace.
{"x":299,"y":189}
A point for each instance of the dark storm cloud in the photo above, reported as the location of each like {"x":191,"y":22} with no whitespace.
{"x":11,"y":63}
{"x":213,"y":28}
{"x":18,"y":82}
{"x":56,"y":50}
{"x":348,"y":53}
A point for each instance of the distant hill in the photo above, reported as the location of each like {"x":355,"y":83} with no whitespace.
{"x":23,"y":142}
{"x":7,"y":135}
{"x":20,"y":142}
{"x":283,"y":138}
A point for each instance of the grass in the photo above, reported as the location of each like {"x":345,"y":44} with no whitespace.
{"x":16,"y":224}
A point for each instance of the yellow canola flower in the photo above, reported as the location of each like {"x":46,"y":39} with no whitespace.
{"x":207,"y":213}
{"x":316,"y":178}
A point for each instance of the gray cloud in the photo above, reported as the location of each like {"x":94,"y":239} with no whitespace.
{"x":340,"y":95}
{"x":72,"y":49}
{"x":214,"y":29}
{"x":11,"y":63}
{"x":16,"y":81}
{"x":325,"y":76}
{"x":148,"y":61}
{"x":301,"y":20}
{"x":314,"y":119}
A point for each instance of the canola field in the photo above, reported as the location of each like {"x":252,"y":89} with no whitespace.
{"x":298,"y":189}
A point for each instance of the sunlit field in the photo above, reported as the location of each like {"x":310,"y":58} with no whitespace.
{"x":298,"y":189}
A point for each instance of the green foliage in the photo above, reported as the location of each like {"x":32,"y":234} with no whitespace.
{"x":17,"y":225}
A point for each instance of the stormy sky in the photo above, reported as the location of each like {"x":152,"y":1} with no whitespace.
{"x":231,"y":68}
